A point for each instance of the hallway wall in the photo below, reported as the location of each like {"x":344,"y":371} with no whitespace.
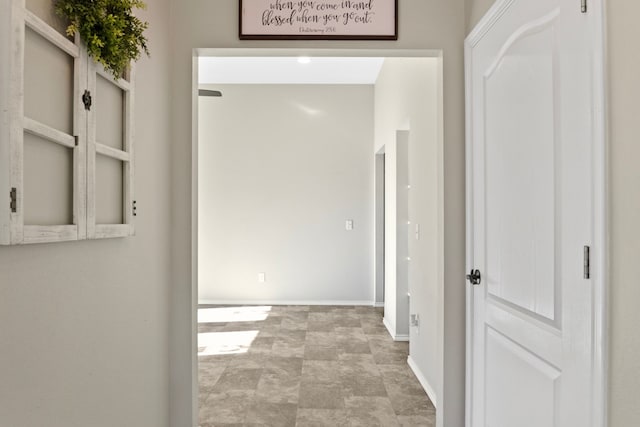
{"x":624,"y":205}
{"x":407,"y":98}
{"x":281,"y":168}
{"x":84,"y":325}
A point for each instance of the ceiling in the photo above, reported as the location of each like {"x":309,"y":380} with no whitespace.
{"x":289,"y":70}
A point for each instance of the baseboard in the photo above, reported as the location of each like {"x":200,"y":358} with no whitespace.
{"x":386,"y":324}
{"x":394,"y":336}
{"x":282,"y":302}
{"x":423,"y":381}
{"x":378,"y":304}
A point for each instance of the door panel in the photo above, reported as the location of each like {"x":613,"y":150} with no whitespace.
{"x":530,"y":97}
{"x":519,"y":154}
{"x":533,"y":391}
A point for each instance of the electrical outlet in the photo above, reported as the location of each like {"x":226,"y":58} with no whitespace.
{"x":348,"y":225}
{"x":415,"y":320}
{"x":262,"y":277}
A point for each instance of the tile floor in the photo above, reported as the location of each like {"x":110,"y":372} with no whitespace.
{"x":305,"y":366}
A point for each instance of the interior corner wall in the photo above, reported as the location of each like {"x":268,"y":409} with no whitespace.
{"x":427,"y":24}
{"x":407,"y":98}
{"x":281,"y":168}
{"x":84,"y":335}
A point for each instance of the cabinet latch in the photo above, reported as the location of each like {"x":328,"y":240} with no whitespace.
{"x":86,"y":100}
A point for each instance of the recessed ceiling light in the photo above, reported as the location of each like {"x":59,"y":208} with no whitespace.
{"x":304,"y":60}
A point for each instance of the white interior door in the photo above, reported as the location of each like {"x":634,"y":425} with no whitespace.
{"x":532,"y":146}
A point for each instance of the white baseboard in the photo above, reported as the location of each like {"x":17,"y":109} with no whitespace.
{"x":386,"y":324}
{"x":378,"y":304}
{"x":392,"y":332}
{"x":423,"y":381}
{"x":282,"y":302}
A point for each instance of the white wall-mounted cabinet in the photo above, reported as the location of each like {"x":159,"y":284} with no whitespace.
{"x":66,"y":142}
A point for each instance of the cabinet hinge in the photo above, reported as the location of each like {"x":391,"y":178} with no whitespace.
{"x":13,"y":196}
{"x":134,"y":208}
{"x":583,"y":6}
{"x":587,"y":263}
{"x":86,"y":100}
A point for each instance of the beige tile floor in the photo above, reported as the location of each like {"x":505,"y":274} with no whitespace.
{"x":305,"y":366}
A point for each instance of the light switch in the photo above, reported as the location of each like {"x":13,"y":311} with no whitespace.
{"x":262,"y":277}
{"x":349,"y":225}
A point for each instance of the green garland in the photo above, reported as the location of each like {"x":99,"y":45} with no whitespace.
{"x":113,"y":35}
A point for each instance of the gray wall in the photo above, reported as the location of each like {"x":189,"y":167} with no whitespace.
{"x":281,"y":168}
{"x":424,"y":24}
{"x":624,"y":203}
{"x":84,"y":335}
{"x":407,"y":98}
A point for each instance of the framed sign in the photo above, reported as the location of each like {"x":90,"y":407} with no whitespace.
{"x":319,"y":19}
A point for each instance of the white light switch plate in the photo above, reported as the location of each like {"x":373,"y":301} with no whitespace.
{"x":262,"y":277}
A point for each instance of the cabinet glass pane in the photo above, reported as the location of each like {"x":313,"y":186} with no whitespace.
{"x":109,"y":190}
{"x":48,"y":182}
{"x":48,"y":83}
{"x":109,"y":113}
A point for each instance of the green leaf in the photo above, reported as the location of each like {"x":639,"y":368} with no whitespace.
{"x":113,"y":34}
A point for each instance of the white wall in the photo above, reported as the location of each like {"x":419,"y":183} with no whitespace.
{"x":425,"y":24}
{"x":407,"y":98}
{"x":84,"y":326}
{"x":281,"y":168}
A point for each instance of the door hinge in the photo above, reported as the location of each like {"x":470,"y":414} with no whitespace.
{"x":86,"y":100}
{"x":13,"y":196}
{"x":587,"y":263}
{"x":583,"y":6}
{"x":134,"y":208}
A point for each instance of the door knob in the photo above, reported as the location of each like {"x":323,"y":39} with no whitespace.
{"x":474,"y":277}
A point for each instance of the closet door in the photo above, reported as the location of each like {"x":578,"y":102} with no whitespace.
{"x":110,"y":202}
{"x":47,"y":126}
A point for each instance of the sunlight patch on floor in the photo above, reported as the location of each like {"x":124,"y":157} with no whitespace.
{"x":221,"y":343}
{"x":233,"y":314}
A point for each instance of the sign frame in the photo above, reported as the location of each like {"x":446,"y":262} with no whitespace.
{"x":323,"y":36}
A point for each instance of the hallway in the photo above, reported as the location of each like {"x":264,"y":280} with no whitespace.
{"x":305,"y":366}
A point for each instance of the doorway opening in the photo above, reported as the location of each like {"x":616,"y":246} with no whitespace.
{"x":245,"y":201}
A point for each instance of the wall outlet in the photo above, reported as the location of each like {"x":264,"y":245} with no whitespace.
{"x":415,"y":320}
{"x":348,"y":225}
{"x":262,"y":277}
